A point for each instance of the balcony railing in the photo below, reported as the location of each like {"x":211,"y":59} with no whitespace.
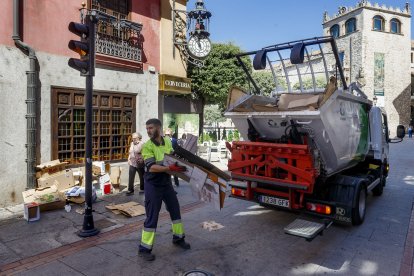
{"x":118,"y":41}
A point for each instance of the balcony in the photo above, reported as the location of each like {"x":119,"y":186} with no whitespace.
{"x":119,"y":44}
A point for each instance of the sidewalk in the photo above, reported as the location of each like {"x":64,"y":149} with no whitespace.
{"x":52,"y":240}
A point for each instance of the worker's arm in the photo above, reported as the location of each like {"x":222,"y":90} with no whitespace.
{"x":155,"y":168}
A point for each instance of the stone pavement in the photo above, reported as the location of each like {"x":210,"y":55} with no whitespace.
{"x":252,"y":241}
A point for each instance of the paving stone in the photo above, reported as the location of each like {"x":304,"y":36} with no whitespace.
{"x":7,"y":255}
{"x":50,"y":269}
{"x":97,"y":261}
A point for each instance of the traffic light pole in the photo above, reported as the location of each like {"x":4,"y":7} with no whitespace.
{"x":88,"y":228}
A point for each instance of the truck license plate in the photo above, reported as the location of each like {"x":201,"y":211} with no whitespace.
{"x":274,"y":201}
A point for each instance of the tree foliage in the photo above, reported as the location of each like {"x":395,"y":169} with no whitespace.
{"x":308,"y":83}
{"x":212,"y":115}
{"x":265,"y":81}
{"x":211,"y":83}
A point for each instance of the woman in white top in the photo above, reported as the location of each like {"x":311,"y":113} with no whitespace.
{"x":136,"y":163}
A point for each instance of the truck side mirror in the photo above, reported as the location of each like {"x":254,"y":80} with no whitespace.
{"x":400,"y":131}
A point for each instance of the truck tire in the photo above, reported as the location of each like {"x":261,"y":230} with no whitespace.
{"x":379,"y":189}
{"x":359,"y":208}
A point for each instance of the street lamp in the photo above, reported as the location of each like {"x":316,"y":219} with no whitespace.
{"x":197,"y":24}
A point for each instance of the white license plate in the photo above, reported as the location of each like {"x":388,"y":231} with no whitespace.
{"x":274,"y":201}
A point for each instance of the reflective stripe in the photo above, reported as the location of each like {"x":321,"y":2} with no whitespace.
{"x":179,"y":236}
{"x":147,"y":238}
{"x":176,"y":221}
{"x":149,"y":229}
{"x":178,"y":229}
{"x":146,"y":246}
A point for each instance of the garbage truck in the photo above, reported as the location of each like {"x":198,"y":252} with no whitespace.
{"x":315,"y":144}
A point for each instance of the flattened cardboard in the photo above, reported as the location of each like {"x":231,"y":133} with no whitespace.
{"x":129,"y":209}
{"x":191,"y":143}
{"x":304,"y":103}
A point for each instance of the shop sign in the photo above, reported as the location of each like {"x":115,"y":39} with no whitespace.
{"x":168,"y":83}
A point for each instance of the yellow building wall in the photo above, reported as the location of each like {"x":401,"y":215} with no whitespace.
{"x":168,"y":64}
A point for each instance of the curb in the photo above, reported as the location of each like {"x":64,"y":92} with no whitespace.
{"x":406,"y":267}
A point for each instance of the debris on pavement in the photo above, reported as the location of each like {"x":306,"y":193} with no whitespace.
{"x":129,"y":209}
{"x":211,"y":225}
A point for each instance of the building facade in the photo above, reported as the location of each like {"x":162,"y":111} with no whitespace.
{"x":50,"y":123}
{"x":374,"y":44}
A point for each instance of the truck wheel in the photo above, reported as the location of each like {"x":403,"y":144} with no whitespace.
{"x":378,"y":190}
{"x":358,"y":210}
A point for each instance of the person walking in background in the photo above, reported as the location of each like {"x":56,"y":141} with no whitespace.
{"x":410,"y":131}
{"x":158,"y":188}
{"x":182,"y":141}
{"x":136,"y":163}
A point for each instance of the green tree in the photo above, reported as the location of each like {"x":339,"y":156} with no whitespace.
{"x":265,"y":81}
{"x":236,"y":135}
{"x":213,"y":115}
{"x":230,"y":136}
{"x":211,"y":83}
{"x":308,"y":83}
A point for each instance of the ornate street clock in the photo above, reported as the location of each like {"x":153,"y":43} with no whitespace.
{"x":191,"y":34}
{"x":199,"y":46}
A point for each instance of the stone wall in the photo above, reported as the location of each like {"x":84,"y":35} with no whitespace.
{"x":53,"y":72}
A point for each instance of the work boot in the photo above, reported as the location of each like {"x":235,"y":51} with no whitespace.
{"x":181,"y":243}
{"x":146,"y":255}
{"x":128,"y":193}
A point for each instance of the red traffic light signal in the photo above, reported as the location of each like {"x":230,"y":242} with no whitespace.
{"x":85,"y":48}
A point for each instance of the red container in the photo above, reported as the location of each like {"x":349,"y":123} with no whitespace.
{"x":107,"y":188}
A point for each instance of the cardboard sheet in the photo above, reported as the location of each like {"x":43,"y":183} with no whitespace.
{"x":169,"y":160}
{"x":197,"y":180}
{"x":129,"y":209}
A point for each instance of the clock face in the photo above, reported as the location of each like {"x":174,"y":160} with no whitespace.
{"x":199,"y":47}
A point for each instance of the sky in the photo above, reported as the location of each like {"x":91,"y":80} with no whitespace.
{"x":255,"y":24}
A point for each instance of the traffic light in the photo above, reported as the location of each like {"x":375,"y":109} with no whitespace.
{"x":85,"y":48}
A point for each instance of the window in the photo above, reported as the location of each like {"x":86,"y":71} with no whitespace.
{"x":341,"y":57}
{"x":350,"y":25}
{"x":113,"y":123}
{"x":395,"y":26}
{"x":119,"y":40}
{"x":117,"y":8}
{"x":378,"y":23}
{"x":334,"y":30}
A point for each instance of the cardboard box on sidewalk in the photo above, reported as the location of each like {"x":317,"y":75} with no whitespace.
{"x":100,"y":167}
{"x":48,"y":198}
{"x":63,"y":178}
{"x":48,"y":168}
{"x":31,"y":211}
